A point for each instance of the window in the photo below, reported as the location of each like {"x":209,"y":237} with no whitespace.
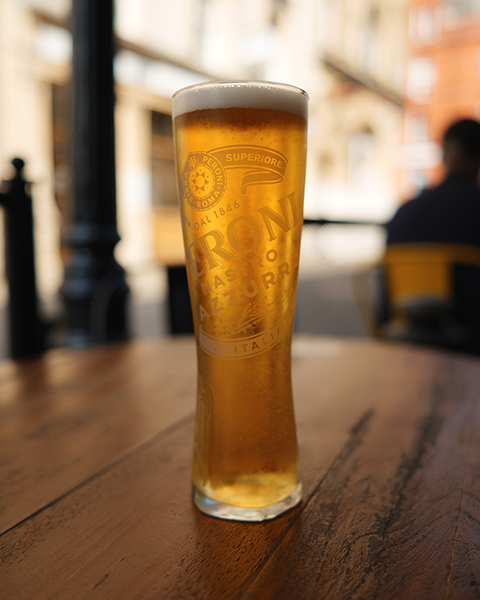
{"x":360,"y":157}
{"x":277,"y":9}
{"x":421,"y":79}
{"x":416,"y":129}
{"x":61,"y":155}
{"x":369,"y":41}
{"x":163,"y":167}
{"x":425,"y":23}
{"x":458,"y":9}
{"x":329,"y":22}
{"x":199,"y":29}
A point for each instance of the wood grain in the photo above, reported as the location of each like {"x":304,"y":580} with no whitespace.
{"x":390,"y":519}
{"x":67,"y":415}
{"x":389,"y":451}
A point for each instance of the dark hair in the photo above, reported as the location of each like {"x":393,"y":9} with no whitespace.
{"x":466,"y":135}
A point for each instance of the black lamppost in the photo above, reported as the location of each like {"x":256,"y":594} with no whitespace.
{"x":95,"y":290}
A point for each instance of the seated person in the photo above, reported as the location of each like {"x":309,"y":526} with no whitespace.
{"x":450,"y":214}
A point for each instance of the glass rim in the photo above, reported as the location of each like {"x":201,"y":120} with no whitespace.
{"x":242,"y":83}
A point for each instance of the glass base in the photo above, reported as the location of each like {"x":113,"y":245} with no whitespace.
{"x":221,"y":510}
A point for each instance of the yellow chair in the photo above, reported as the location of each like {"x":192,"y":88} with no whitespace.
{"x":420,"y":292}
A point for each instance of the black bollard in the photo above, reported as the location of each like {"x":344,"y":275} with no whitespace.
{"x":94,"y":289}
{"x":26,"y":331}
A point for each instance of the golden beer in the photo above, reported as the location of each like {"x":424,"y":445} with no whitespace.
{"x":240,"y":156}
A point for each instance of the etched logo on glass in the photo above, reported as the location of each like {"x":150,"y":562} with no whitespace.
{"x":237,"y":256}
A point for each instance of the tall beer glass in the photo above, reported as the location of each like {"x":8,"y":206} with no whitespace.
{"x":240,"y":157}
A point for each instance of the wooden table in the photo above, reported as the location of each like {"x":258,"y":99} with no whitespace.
{"x":95,"y":452}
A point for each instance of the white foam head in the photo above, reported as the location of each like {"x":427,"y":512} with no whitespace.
{"x":240,"y":94}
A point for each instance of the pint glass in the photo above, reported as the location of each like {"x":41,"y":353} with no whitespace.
{"x":240,"y":158}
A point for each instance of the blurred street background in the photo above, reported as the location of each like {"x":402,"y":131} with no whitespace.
{"x":385,"y":79}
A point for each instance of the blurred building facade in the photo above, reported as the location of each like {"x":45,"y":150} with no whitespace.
{"x":443,"y":83}
{"x":362,"y":53}
{"x":350,"y":55}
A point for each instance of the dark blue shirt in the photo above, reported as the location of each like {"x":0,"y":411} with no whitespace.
{"x":449,"y":213}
